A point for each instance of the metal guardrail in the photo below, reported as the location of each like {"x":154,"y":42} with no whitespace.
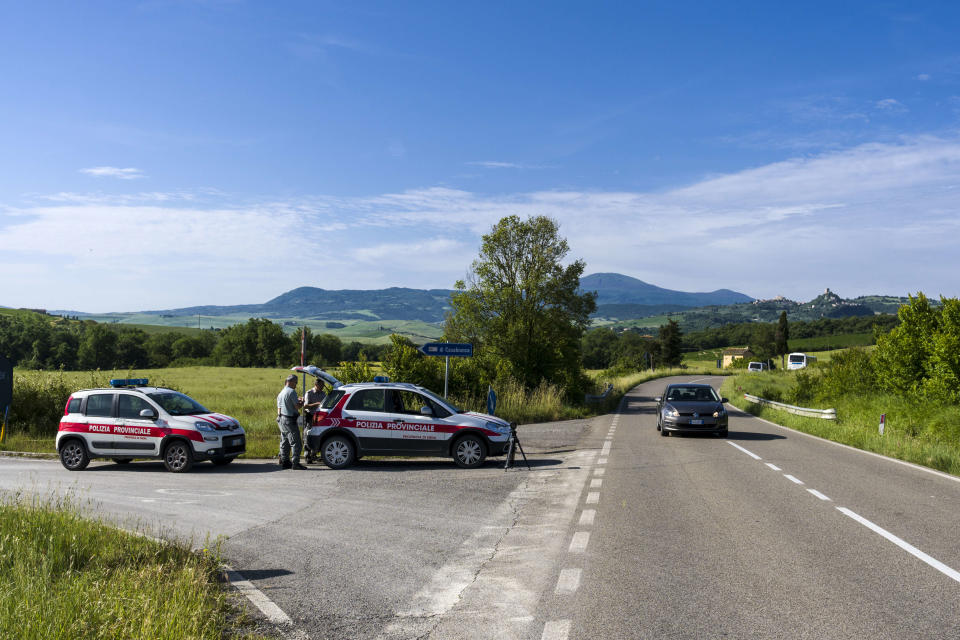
{"x":826,"y":414}
{"x":603,"y":396}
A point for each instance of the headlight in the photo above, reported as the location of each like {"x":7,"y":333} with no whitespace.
{"x":670,"y":412}
{"x":719,"y":412}
{"x":203,"y":426}
{"x":496,"y":426}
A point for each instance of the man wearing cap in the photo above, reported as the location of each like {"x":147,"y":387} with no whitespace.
{"x":288,"y":408}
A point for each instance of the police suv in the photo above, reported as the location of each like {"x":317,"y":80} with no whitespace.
{"x":400,"y":419}
{"x":132,"y":420}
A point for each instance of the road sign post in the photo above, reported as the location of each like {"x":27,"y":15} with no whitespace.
{"x":6,"y":392}
{"x":447,"y":350}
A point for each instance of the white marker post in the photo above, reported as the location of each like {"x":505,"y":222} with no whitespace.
{"x":883,"y":422}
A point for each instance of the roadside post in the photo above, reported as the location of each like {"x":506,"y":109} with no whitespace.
{"x":447,"y":350}
{"x":6,"y":393}
{"x":883,"y":422}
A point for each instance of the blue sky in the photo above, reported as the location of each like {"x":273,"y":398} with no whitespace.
{"x":160,"y":154}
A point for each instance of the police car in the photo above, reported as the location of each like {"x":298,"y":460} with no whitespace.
{"x":400,"y":419}
{"x":132,"y":420}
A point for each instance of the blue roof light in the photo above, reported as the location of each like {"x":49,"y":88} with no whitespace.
{"x":128,"y":382}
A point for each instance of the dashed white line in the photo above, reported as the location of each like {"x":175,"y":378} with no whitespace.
{"x":593,"y":497}
{"x":598,"y":472}
{"x":606,"y":448}
{"x":792,"y":479}
{"x":602,"y":461}
{"x":578,"y":544}
{"x":909,"y":548}
{"x":749,"y":453}
{"x":596,"y":483}
{"x":819,"y":495}
{"x":556,"y":630}
{"x":569,"y":581}
{"x":586,"y":518}
{"x":773,"y":466}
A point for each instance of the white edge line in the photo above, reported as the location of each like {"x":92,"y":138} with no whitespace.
{"x":912,"y":550}
{"x":792,"y":479}
{"x":556,"y":630}
{"x":749,"y":453}
{"x":846,"y":446}
{"x":819,"y":495}
{"x":773,"y":466}
{"x":267,"y":606}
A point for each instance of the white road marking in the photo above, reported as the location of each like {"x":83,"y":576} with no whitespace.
{"x":846,"y":446}
{"x":606,"y":448}
{"x":933,"y":562}
{"x":274,"y":613}
{"x":556,"y":630}
{"x":569,"y":581}
{"x":586,"y":518}
{"x":792,"y":479}
{"x":602,"y":461}
{"x":598,"y":472}
{"x":593,"y":497}
{"x":819,"y":495}
{"x":578,"y":544}
{"x":596,"y":483}
{"x":774,"y":467}
{"x":749,"y":453}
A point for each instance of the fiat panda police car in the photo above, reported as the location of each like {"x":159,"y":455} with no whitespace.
{"x":400,"y":419}
{"x":132,"y":420}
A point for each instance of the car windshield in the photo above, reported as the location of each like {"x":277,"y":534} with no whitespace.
{"x":692,"y":394}
{"x":177,"y":404}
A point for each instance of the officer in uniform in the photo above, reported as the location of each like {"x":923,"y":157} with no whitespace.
{"x":288,"y":409}
{"x":312,"y":400}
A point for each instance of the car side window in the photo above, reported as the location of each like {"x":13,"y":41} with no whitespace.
{"x":367,"y":400}
{"x":74,"y":406}
{"x":100,"y":405}
{"x":130,"y":406}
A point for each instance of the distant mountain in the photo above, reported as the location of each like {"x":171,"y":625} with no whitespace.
{"x":615,"y":288}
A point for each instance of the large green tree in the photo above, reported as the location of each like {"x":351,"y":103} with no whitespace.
{"x":521,"y":306}
{"x":782,"y":337}
{"x":670,"y":341}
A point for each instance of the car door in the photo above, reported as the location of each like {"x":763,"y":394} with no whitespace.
{"x":414,"y":431}
{"x":368,"y":419}
{"x":99,"y":415}
{"x":134,"y":433}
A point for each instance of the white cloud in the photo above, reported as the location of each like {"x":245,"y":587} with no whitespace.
{"x":891,"y":105}
{"x":497,"y":164}
{"x":860,"y":221}
{"x":923,"y":77}
{"x":129,"y":173}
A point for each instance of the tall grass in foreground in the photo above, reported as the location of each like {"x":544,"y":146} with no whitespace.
{"x":64,"y":577}
{"x":924,"y":433}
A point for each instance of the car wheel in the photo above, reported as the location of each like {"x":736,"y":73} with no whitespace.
{"x":338,"y":452}
{"x":220,"y":462}
{"x":73,"y":455}
{"x":123,"y":460}
{"x":659,"y":425}
{"x":722,"y":434}
{"x":664,"y":432}
{"x":178,"y":457}
{"x":469,"y":452}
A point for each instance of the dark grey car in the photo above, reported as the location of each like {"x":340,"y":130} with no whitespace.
{"x":689,"y":407}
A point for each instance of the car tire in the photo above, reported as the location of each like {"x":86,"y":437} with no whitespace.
{"x":73,"y":455}
{"x":722,"y":434}
{"x":664,"y":432}
{"x":469,"y":452}
{"x":222,"y":462}
{"x":659,"y":425}
{"x":338,"y":452}
{"x":122,"y":460}
{"x":178,"y":456}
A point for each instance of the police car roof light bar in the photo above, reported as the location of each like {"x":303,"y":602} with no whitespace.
{"x":128,"y":382}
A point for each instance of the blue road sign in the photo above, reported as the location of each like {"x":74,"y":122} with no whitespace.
{"x":449,"y":349}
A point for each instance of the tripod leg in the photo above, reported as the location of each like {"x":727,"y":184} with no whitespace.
{"x":511,"y":454}
{"x":520,"y":446}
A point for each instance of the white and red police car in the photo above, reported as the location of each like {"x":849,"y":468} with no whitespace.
{"x":399,"y":419}
{"x":132,"y":420}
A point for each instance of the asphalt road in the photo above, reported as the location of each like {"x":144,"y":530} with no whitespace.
{"x":615,"y":532}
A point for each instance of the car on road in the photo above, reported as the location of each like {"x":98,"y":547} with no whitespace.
{"x":690,"y":407}
{"x":132,"y":420}
{"x":757,"y":366}
{"x":401,"y":419}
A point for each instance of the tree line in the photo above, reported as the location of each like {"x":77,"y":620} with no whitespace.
{"x":33,"y":341}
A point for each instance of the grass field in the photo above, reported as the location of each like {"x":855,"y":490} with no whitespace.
{"x":63,"y":577}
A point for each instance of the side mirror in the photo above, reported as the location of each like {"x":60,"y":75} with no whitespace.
{"x":150,"y":414}
{"x":724,"y":400}
{"x":658,"y":399}
{"x":426,"y":411}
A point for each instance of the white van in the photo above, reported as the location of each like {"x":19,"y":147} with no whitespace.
{"x":757,"y":366}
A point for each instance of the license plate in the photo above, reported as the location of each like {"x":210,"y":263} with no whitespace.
{"x":234,"y":441}
{"x":696,"y":422}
